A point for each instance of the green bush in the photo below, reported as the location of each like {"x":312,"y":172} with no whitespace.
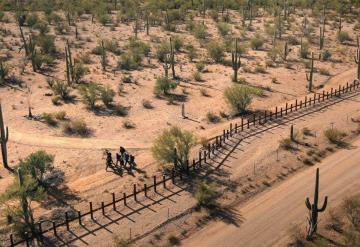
{"x":79,"y":71}
{"x":192,"y":52}
{"x":107,"y":95}
{"x":46,"y":43}
{"x":163,"y":85}
{"x":326,"y":55}
{"x":49,"y":119}
{"x":32,"y":19}
{"x":239,"y":97}
{"x":304,"y":51}
{"x":343,"y":36}
{"x":120,"y":110}
{"x":197,"y":76}
{"x":178,"y":42}
{"x":286,"y":144}
{"x":215,"y":51}
{"x":60,"y":88}
{"x":335,"y":136}
{"x":223,"y":28}
{"x":200,"y":31}
{"x":90,"y":94}
{"x":76,"y":127}
{"x":212,"y":117}
{"x":257,"y":42}
{"x":162,"y":50}
{"x":61,"y":115}
{"x":169,"y":140}
{"x":111,"y":45}
{"x":205,"y":193}
{"x":128,"y":61}
{"x":200,"y":67}
{"x":42,"y":26}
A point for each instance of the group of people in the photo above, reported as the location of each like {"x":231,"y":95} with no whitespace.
{"x":123,"y":158}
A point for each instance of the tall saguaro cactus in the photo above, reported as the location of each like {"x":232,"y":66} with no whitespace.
{"x":310,"y":75}
{"x":69,"y":64}
{"x":103,"y":56}
{"x":322,"y":37}
{"x":172,"y":59}
{"x":235,"y":60}
{"x":314,"y":209}
{"x":4,"y":137}
{"x":357,"y":58}
{"x":166,"y":65}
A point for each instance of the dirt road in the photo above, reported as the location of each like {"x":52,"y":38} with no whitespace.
{"x":267,"y":218}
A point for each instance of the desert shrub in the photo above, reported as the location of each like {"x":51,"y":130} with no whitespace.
{"x":200,"y":31}
{"x":107,"y":95}
{"x":60,"y":88}
{"x":41,"y":59}
{"x":192,"y":53}
{"x":104,"y":19}
{"x":119,"y":242}
{"x":224,"y":28}
{"x":178,"y":42}
{"x":60,"y":115}
{"x":173,"y":240}
{"x":127,"y":78}
{"x":162,"y":50}
{"x":335,"y":222}
{"x":169,"y":140}
{"x":85,"y":58}
{"x":147,"y":104}
{"x":163,"y":85}
{"x":324,"y":71}
{"x":127,"y":61}
{"x":197,"y":76}
{"x":257,"y":42}
{"x":49,"y":119}
{"x":307,"y":132}
{"x":139,"y":47}
{"x":238,"y":97}
{"x":292,"y":40}
{"x":76,"y":127}
{"x":127,"y":124}
{"x":351,"y":207}
{"x":260,"y":69}
{"x":326,"y":55}
{"x":42,"y":27}
{"x":215,"y":51}
{"x":31,"y":20}
{"x":212,"y":117}
{"x":335,"y":136}
{"x":111,"y":45}
{"x":214,"y":15}
{"x":79,"y":71}
{"x":200,"y":67}
{"x":286,"y":144}
{"x":4,"y":71}
{"x":46,"y":43}
{"x":205,"y":193}
{"x":56,"y":100}
{"x":343,"y":36}
{"x":306,"y":161}
{"x":90,"y":94}
{"x":120,"y":110}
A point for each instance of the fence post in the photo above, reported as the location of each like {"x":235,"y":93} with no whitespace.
{"x":91,"y":210}
{"x":188,"y":167}
{"x":301,"y":104}
{"x":236,"y":127}
{"x":11,"y":240}
{"x":276,"y":112}
{"x":154,"y":178}
{"x":172,"y":176}
{"x":79,"y":217}
{"x":224,"y":134}
{"x":314,"y":98}
{"x":347,"y":87}
{"x":339,"y":90}
{"x":231,"y":128}
{"x":319,"y":97}
{"x":67,"y":221}
{"x":135,"y":192}
{"x":124,"y":198}
{"x":242,"y":124}
{"x":54,"y":228}
{"x":145,"y":189}
{"x":291,"y":107}
{"x":281,"y":111}
{"x":114,"y":201}
{"x":164,"y":181}
{"x":265,"y":113}
{"x":331,"y":92}
{"x":286,"y":108}
{"x":194,"y":164}
{"x":296,"y":104}
{"x":327,"y":95}
{"x":209,"y":150}
{"x":103,"y":208}
{"x":205,"y":155}
{"x":305,"y":100}
{"x":248,"y":123}
{"x":323,"y":95}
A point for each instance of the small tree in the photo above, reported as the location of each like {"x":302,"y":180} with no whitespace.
{"x":164,"y":85}
{"x":60,"y":88}
{"x":107,"y":95}
{"x":170,"y":140}
{"x":239,"y":97}
{"x":257,"y":42}
{"x":79,"y":71}
{"x":215,"y":51}
{"x":90,"y":94}
{"x":204,"y":193}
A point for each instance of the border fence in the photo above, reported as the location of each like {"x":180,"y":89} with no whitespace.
{"x":215,"y":143}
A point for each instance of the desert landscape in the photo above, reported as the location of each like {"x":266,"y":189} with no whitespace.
{"x":179,"y":123}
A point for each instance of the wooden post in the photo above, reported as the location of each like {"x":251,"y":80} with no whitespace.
{"x":54,"y":228}
{"x":114,"y":201}
{"x":296,"y":104}
{"x":172,"y":176}
{"x":103,"y":208}
{"x":79,"y":217}
{"x":242,"y":124}
{"x":271,"y":114}
{"x":305,"y":100}
{"x":200,"y":156}
{"x":331,"y":92}
{"x":323,"y":95}
{"x":248,"y":123}
{"x":164,"y":181}
{"x":91,"y":211}
{"x":254,"y":119}
{"x":11,"y":240}
{"x":281,"y":111}
{"x":145,"y":189}
{"x":135,"y":192}
{"x":231,"y":128}
{"x":265,"y":116}
{"x":301,"y":104}
{"x":124,"y":198}
{"x":67,"y":221}
{"x":205,"y":155}
{"x":224,"y":134}
{"x":236,"y":127}
{"x":276,"y":112}
{"x":154,"y":178}
{"x":327,"y":95}
{"x":286,"y":108}
{"x":291,"y":107}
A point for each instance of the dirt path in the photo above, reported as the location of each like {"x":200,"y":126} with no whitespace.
{"x":267,"y":218}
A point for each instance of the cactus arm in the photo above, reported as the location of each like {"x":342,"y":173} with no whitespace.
{"x":307,"y":203}
{"x":322,"y":209}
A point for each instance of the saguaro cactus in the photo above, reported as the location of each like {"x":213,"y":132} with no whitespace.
{"x":24,"y":41}
{"x":286,"y":51}
{"x":310,"y":75}
{"x":103,"y":56}
{"x":322,"y":37}
{"x":235,"y":60}
{"x":314,"y":209}
{"x":4,"y":137}
{"x":357,"y":58}
{"x":69,"y":64}
{"x":166,"y":65}
{"x":172,"y":59}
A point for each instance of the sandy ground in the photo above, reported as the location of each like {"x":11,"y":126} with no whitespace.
{"x":265,"y":220}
